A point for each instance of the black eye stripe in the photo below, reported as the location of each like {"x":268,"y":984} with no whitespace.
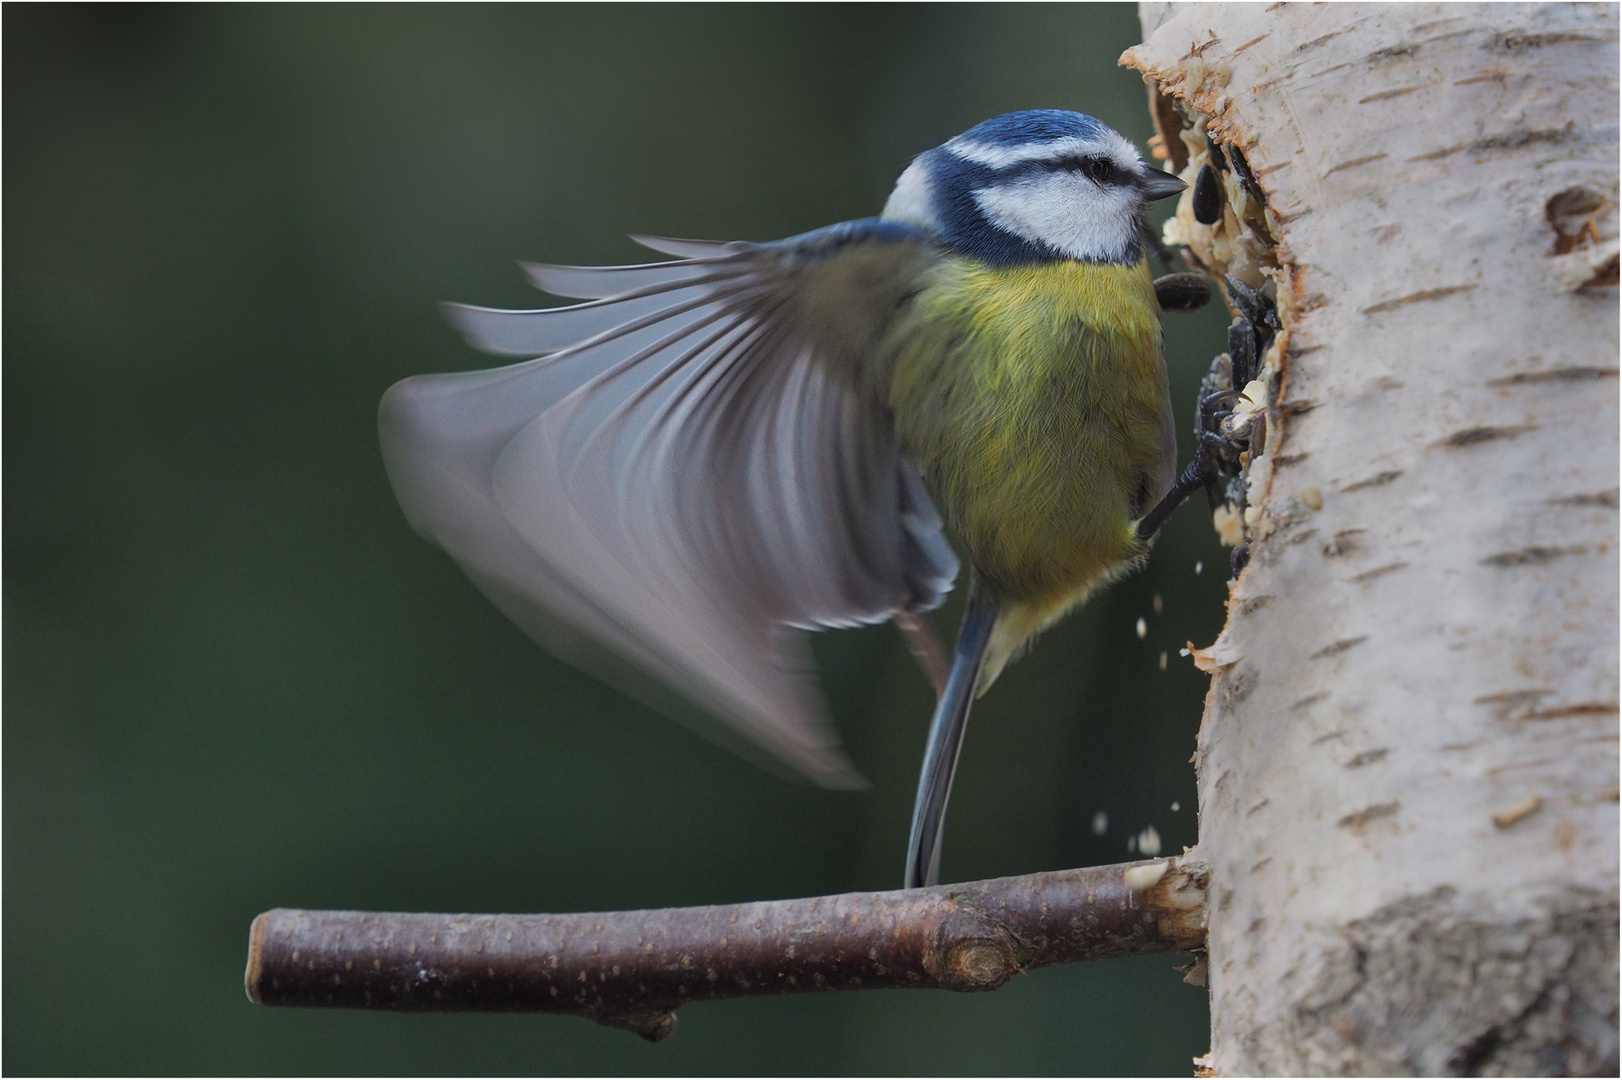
{"x":1099,"y":169}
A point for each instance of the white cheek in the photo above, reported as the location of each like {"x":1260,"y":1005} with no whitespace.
{"x":913,"y":200}
{"x":1067,"y":212}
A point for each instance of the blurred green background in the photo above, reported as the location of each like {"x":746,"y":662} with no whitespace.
{"x":235,"y":679}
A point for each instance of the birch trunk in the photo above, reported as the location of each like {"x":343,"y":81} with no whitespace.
{"x":1408,"y":761}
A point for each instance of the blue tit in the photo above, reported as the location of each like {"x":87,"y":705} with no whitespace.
{"x":715,"y":454}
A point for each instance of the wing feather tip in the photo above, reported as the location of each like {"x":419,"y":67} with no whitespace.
{"x":499,"y":331}
{"x":686,"y":249}
{"x":461,"y":319}
{"x":540,"y":274}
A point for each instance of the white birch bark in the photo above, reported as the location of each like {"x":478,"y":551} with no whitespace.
{"x":1408,"y":761}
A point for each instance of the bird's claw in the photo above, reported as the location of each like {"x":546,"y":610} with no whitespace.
{"x":1222,"y":448}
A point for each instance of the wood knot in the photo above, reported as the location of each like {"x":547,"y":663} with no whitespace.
{"x":971,"y":956}
{"x":979,"y":965}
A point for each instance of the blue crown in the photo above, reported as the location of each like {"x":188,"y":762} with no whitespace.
{"x":1033,"y":125}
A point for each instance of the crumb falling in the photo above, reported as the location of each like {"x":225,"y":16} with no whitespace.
{"x":1148,"y":841}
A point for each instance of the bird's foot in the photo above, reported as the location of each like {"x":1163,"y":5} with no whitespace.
{"x":1231,"y":425}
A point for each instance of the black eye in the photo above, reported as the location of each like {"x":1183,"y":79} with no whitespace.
{"x":1099,"y":170}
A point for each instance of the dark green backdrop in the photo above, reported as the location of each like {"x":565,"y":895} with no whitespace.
{"x":234,"y":678}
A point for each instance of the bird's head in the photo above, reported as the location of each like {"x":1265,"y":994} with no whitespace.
{"x":1031,"y":187}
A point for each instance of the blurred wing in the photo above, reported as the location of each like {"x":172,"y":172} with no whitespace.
{"x":701,"y":464}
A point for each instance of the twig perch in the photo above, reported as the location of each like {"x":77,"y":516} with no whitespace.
{"x":632,"y":969}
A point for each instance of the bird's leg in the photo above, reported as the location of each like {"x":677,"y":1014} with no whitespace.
{"x":1202,"y":472}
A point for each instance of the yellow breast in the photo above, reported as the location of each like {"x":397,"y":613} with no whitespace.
{"x":1034,"y":399}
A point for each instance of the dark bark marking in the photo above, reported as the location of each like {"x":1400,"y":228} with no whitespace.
{"x":1417,"y":298}
{"x":1567,"y":374}
{"x":1496,"y":75}
{"x":1370,"y":575}
{"x":1344,"y":542}
{"x":1395,"y":52}
{"x":1354,"y":163}
{"x":1512,"y":704}
{"x":1518,"y":42}
{"x":1560,"y":712}
{"x":1598,"y":498}
{"x":1315,"y":42}
{"x":1386,"y":95}
{"x":1531,"y":556}
{"x":1377,"y":480}
{"x":1472,"y":436}
{"x":1338,"y":647}
{"x":1509,"y":140}
{"x":1369,"y":813}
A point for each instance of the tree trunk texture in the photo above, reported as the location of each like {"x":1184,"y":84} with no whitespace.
{"x":1408,"y":760}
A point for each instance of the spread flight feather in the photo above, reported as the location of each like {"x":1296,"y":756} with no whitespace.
{"x":698,"y":462}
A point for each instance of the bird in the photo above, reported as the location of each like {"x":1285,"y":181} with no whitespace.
{"x":715,"y":453}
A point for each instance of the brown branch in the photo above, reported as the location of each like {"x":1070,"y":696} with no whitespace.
{"x":631,"y":969}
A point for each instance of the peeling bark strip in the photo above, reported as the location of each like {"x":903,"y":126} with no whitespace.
{"x":632,"y":969}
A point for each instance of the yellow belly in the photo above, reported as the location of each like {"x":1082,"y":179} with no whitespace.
{"x":1034,"y":400}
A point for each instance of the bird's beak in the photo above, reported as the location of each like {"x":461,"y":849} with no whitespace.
{"x":1161,"y":185}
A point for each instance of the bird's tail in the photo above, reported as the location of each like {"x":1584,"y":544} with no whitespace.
{"x":946,"y":738}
